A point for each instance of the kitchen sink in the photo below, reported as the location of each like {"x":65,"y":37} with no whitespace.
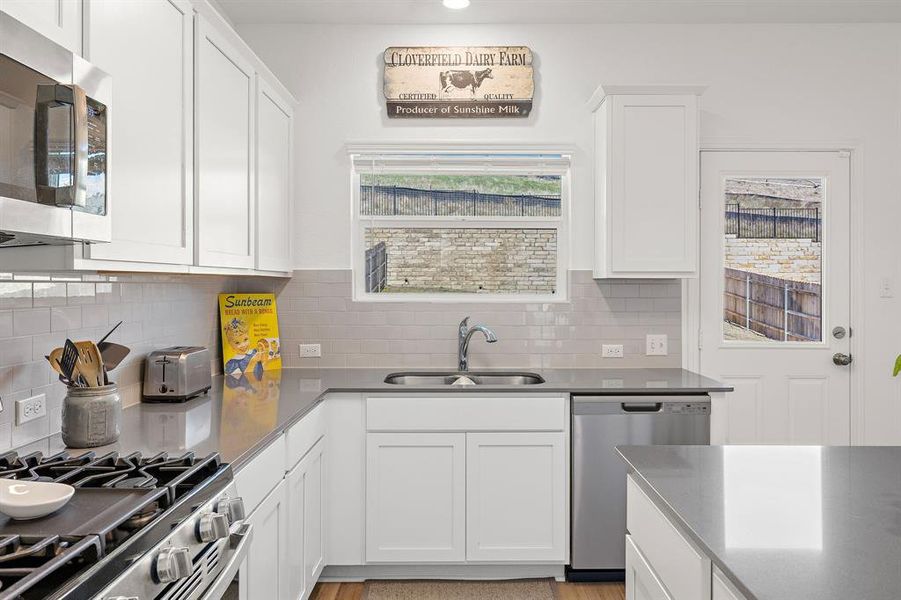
{"x":467,"y":378}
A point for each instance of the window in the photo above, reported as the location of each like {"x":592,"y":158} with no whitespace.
{"x":459,"y":227}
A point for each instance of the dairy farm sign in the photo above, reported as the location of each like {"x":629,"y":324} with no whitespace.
{"x":464,"y":82}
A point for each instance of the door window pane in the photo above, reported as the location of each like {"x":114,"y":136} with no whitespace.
{"x":773,"y":260}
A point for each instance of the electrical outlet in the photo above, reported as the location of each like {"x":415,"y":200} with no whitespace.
{"x":30,"y":409}
{"x":885,"y":288}
{"x":310,"y":350}
{"x":655,"y":345}
{"x":612,"y":351}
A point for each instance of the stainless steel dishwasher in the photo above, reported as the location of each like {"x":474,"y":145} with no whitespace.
{"x":600,"y":423}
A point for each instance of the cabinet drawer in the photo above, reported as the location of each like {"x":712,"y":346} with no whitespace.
{"x":303,"y":435}
{"x":683,"y":570}
{"x":465,"y":413}
{"x":641,"y":581}
{"x":258,"y":477}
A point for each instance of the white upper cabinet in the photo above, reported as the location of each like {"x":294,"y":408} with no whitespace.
{"x":147,"y":47}
{"x":59,"y":20}
{"x":646,"y":181}
{"x":224,"y":113}
{"x":275,"y":123}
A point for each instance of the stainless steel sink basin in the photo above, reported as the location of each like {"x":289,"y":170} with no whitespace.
{"x":476,"y":378}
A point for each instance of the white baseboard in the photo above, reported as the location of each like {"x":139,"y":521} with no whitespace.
{"x":339,"y":573}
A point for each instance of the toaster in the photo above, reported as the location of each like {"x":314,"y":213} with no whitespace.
{"x":176,"y":374}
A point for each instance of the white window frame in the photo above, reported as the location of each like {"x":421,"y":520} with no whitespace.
{"x":461,"y":159}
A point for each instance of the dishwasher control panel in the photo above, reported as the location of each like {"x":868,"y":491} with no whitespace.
{"x":688,"y":408}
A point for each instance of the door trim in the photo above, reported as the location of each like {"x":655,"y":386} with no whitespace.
{"x":691,"y":301}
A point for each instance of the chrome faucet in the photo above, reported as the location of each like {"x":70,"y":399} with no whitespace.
{"x":465,"y":333}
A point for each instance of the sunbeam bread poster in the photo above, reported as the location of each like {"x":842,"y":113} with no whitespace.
{"x":464,"y":82}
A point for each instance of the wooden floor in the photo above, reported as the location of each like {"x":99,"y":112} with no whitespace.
{"x":565,"y":591}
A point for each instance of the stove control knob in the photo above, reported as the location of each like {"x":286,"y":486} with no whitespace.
{"x":233,"y":508}
{"x":173,"y":564}
{"x":212,"y":527}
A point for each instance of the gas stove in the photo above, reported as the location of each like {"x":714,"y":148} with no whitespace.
{"x":136,"y":528}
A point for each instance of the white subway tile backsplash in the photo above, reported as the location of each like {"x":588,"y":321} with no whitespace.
{"x":317,"y":307}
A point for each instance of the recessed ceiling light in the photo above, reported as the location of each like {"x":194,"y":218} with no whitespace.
{"x":455,"y":4}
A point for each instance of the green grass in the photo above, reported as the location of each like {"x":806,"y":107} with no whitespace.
{"x":486,"y":184}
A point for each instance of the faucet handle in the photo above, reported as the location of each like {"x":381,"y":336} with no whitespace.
{"x":464,"y":324}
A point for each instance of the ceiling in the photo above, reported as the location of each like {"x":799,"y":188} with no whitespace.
{"x":563,"y":11}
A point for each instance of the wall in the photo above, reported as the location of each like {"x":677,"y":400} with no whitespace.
{"x":316,"y":306}
{"x":769,"y":84}
{"x":798,"y":260}
{"x":37,"y":313}
{"x":469,"y":260}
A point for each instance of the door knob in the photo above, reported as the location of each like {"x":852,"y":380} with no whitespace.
{"x":842,"y":360}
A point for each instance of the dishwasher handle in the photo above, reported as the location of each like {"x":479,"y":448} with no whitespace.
{"x":641,"y":407}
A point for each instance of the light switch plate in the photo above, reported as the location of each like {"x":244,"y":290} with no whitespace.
{"x":310,"y":350}
{"x":656,"y":345}
{"x":612,"y":351}
{"x":30,"y":409}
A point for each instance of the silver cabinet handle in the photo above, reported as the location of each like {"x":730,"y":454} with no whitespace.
{"x":50,"y":96}
{"x":842,"y":360}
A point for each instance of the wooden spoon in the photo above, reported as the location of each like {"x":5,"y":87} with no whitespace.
{"x":90,"y":364}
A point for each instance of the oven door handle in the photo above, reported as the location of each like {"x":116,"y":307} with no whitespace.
{"x":240,"y":541}
{"x":50,"y":96}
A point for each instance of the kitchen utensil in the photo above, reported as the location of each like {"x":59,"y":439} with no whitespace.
{"x":92,"y":416}
{"x":68,"y":362}
{"x":32,"y":499}
{"x":109,"y":333}
{"x":54,"y":358}
{"x":112,"y":354}
{"x":176,"y":374}
{"x":90,"y":365}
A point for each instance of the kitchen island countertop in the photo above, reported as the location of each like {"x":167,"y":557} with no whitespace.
{"x":237,"y":421}
{"x":785,"y":522}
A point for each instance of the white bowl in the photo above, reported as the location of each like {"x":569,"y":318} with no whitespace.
{"x":32,"y":499}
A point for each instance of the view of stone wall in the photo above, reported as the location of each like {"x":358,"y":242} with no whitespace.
{"x":796,"y":260}
{"x":469,"y":260}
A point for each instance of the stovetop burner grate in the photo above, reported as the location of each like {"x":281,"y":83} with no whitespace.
{"x":118,"y":500}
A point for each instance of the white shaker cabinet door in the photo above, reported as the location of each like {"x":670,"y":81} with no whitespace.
{"x":723,"y":588}
{"x":148,"y":48}
{"x":265,"y":572}
{"x":59,"y":20}
{"x":515,"y":497}
{"x":275,"y":123}
{"x":306,"y":520}
{"x":224,"y":110}
{"x":641,"y":581}
{"x":415,"y":497}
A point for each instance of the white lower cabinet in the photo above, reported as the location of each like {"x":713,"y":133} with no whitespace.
{"x":265,"y":573}
{"x":515,"y":496}
{"x":641,"y":582}
{"x":661,"y":562}
{"x":306,"y":520}
{"x":415,"y":497}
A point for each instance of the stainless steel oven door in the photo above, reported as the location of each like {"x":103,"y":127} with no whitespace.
{"x":54,"y":131}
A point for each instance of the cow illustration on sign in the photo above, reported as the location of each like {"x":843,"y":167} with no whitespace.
{"x":463,"y":79}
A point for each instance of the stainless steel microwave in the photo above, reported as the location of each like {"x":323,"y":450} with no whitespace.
{"x":54,"y":142}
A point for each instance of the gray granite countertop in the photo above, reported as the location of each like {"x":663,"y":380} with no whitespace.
{"x":237,"y":422}
{"x":786,"y":522}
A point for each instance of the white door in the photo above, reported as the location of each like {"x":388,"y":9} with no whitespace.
{"x":274,"y":175}
{"x":306,"y":518}
{"x":415,"y":497}
{"x":152,"y":130}
{"x":264,"y":574}
{"x":59,"y":20}
{"x":775,"y":294}
{"x":224,"y":115}
{"x":515,"y":497}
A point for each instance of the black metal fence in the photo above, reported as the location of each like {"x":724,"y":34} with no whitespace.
{"x":379,"y":200}
{"x":376,"y":268}
{"x":786,"y":223}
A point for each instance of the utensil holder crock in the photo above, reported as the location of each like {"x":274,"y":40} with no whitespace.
{"x":92,"y":416}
